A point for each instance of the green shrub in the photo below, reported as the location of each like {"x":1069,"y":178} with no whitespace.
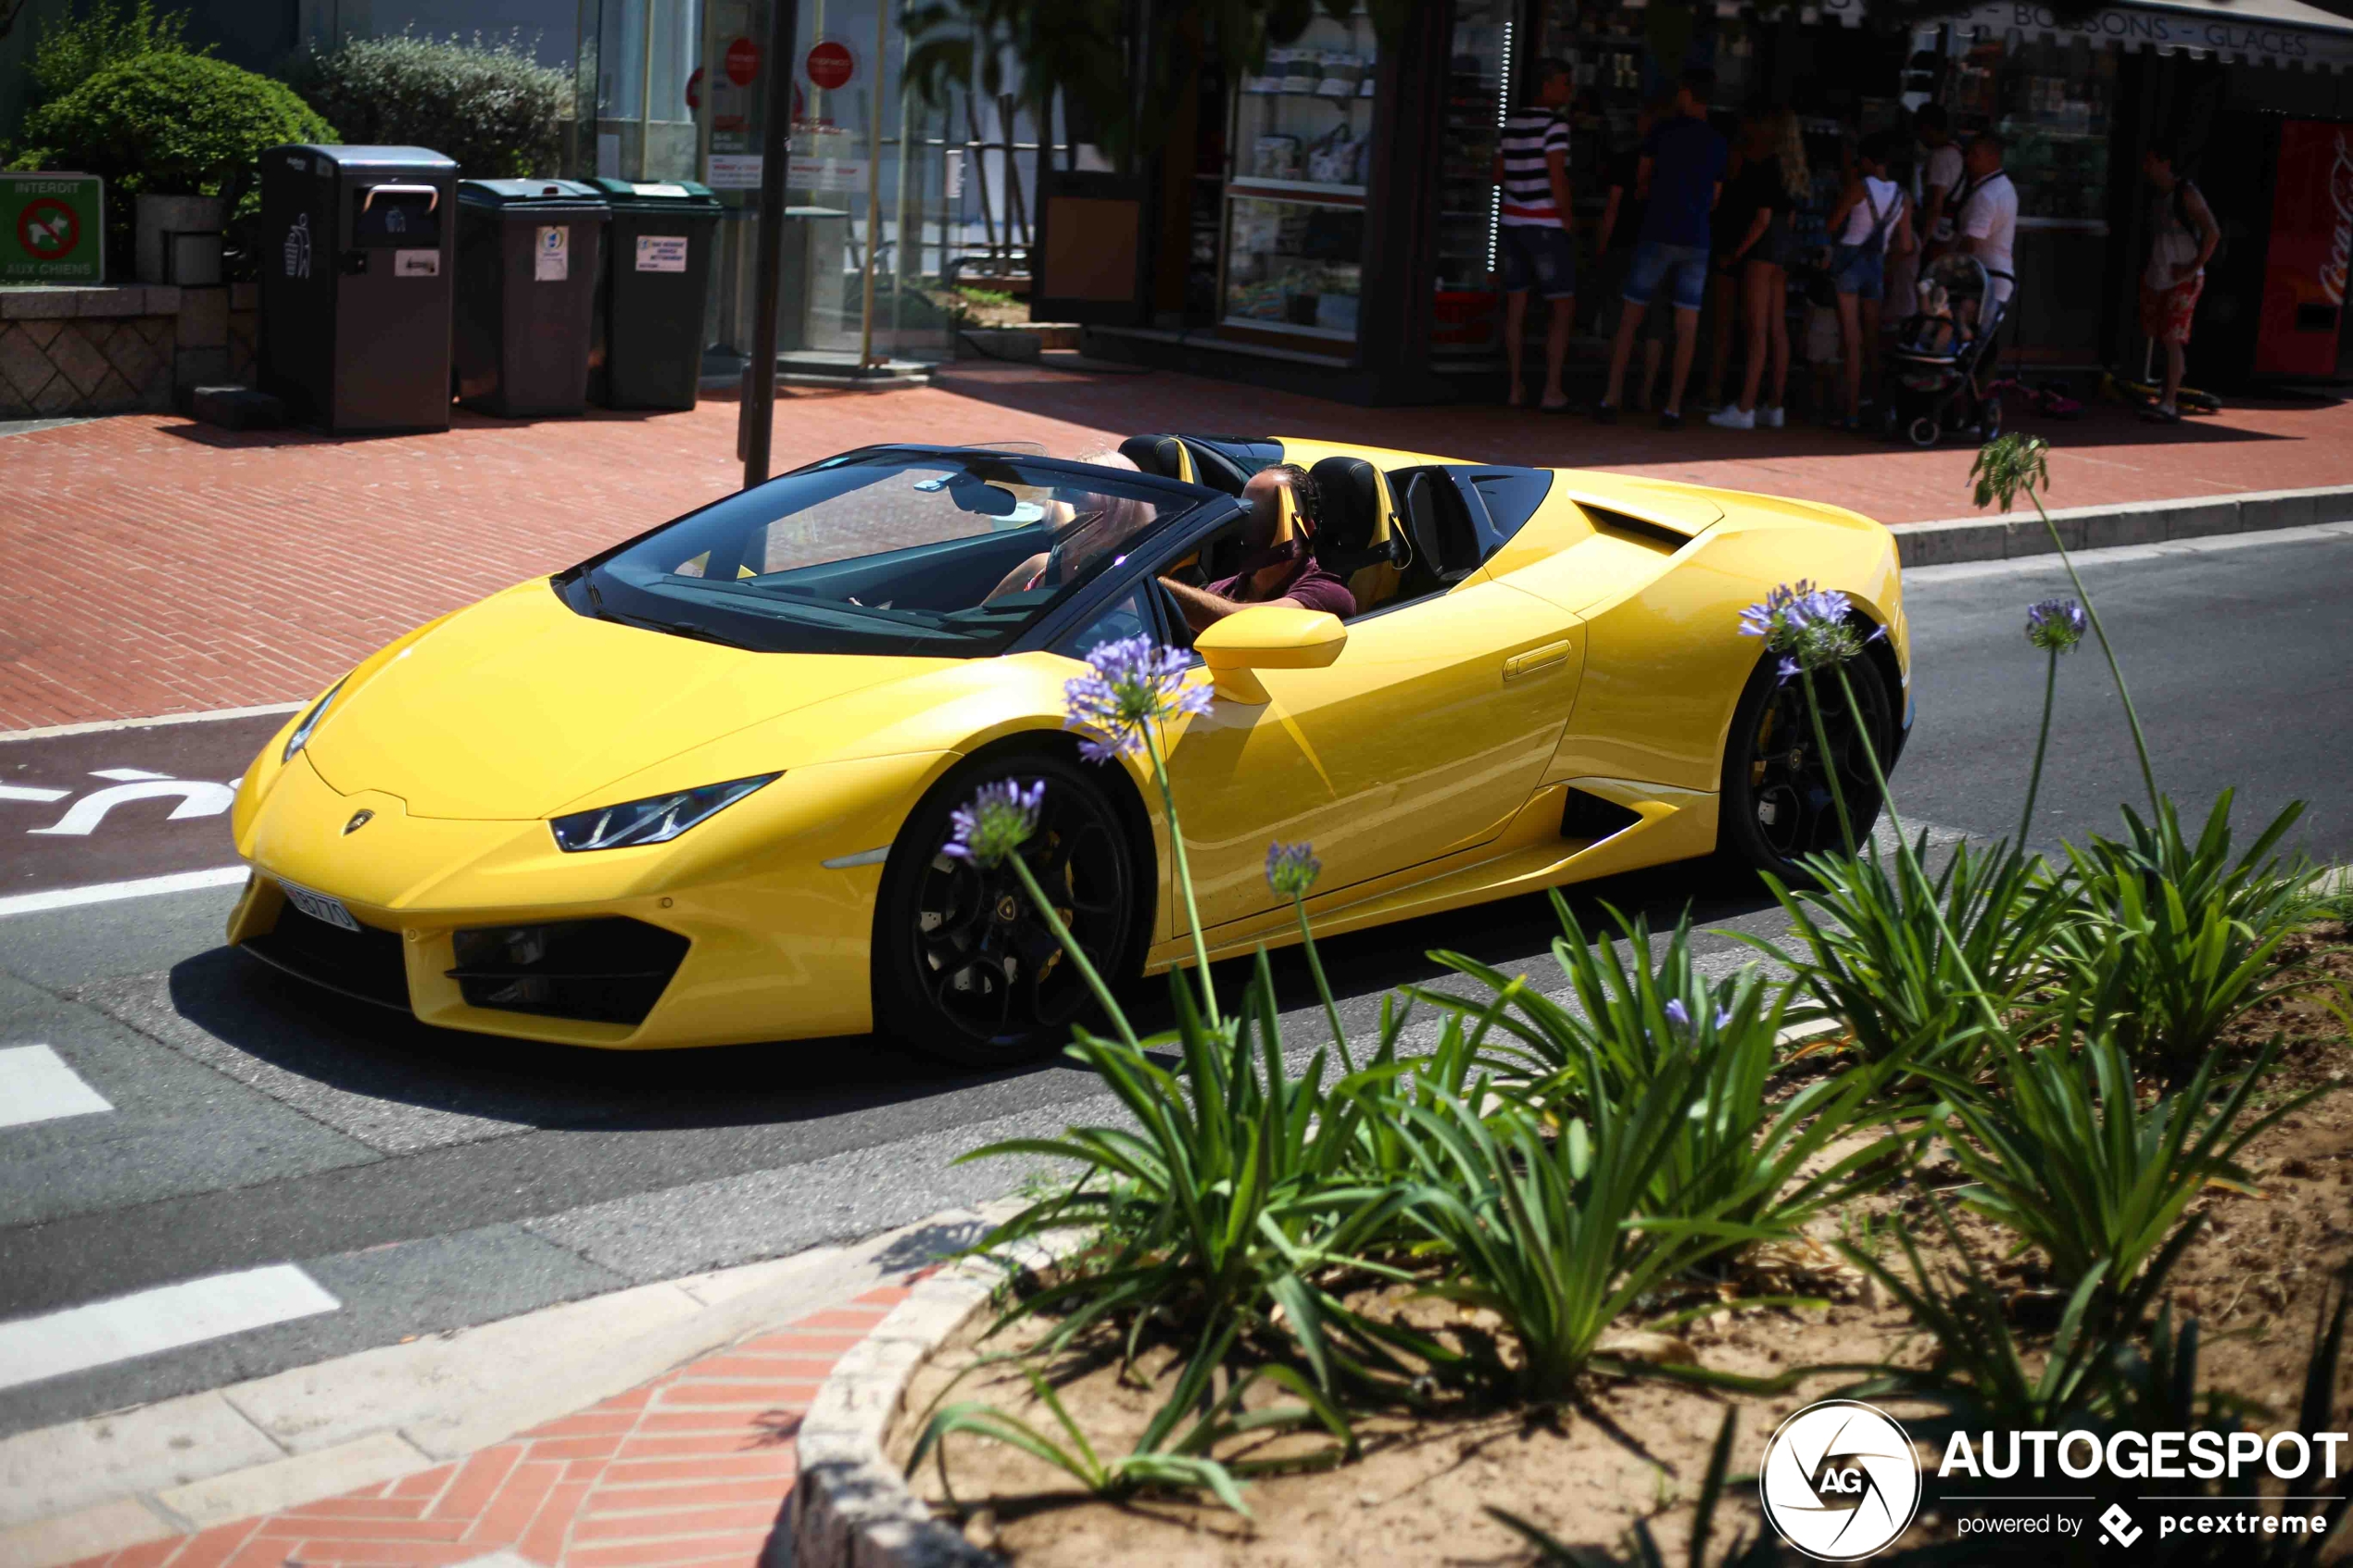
{"x":74,"y":48}
{"x":172,"y":125}
{"x":488,"y":105}
{"x":2187,"y":933}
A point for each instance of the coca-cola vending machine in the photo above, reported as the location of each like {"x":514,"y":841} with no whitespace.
{"x":2304,"y":265}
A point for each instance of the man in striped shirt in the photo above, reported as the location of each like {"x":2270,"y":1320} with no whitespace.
{"x":1531,"y":165}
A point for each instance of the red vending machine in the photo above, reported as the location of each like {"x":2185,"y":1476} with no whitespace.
{"x":2310,"y":240}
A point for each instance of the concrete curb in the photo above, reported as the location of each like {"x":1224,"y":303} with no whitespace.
{"x":182,"y":1465}
{"x":2013,"y":535}
{"x":850,"y":1506}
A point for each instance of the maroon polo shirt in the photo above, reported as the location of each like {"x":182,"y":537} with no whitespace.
{"x":1309,"y":584}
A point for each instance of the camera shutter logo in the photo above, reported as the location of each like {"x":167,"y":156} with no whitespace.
{"x":1840,"y":1481}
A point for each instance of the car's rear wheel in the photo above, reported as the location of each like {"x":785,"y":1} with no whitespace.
{"x":965,"y":967}
{"x":1776,"y":802}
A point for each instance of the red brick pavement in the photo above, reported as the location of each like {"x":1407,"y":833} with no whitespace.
{"x":155,"y":566}
{"x":692,"y":1468}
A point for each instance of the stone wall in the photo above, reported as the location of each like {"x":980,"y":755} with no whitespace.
{"x":66,"y":351}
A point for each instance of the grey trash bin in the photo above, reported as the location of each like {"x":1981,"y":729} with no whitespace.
{"x":529,"y":254}
{"x":355,"y":269}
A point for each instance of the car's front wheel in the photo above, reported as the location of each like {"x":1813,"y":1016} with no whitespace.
{"x":965,"y":967}
{"x":1778,"y":804}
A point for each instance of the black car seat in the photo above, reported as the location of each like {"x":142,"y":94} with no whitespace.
{"x":1358,"y":540}
{"x":1445,"y":550}
{"x":1161,"y":455}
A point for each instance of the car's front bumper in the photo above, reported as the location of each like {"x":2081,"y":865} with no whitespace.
{"x":775,"y":943}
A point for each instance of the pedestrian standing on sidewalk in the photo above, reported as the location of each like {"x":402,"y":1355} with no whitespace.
{"x":1682,"y":175}
{"x":2183,"y":236}
{"x":1531,"y":165}
{"x":1870,"y":223}
{"x":1621,"y":225}
{"x":1939,"y":174}
{"x":1770,"y":184}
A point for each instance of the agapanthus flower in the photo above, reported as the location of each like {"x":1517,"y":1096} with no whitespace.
{"x":1679,"y":1017}
{"x":2055,"y":624}
{"x":1807,"y":625}
{"x":1292,"y":868}
{"x":998,"y":821}
{"x":1128,"y":685}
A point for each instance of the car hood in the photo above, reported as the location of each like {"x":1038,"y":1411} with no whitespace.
{"x":518,"y":707}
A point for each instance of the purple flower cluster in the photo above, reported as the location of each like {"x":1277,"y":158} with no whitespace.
{"x":1807,"y":625}
{"x":1128,"y":685}
{"x":2055,"y":624}
{"x":1679,"y":1017}
{"x":1292,"y":868}
{"x":999,"y":821}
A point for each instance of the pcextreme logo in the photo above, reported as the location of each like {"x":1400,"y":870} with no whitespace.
{"x":1840,"y":1480}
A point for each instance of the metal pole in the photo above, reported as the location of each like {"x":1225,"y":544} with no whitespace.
{"x":646,"y":100}
{"x":874,"y":188}
{"x":710,"y":66}
{"x":776,"y":133}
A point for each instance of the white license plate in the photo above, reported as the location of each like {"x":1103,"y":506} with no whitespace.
{"x":317,"y":906}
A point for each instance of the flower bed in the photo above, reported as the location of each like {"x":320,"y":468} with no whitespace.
{"x":1528,"y":1288}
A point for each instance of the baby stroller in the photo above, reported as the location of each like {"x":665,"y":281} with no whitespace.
{"x":1934,"y":363}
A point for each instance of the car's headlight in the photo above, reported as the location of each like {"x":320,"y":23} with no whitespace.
{"x":655,"y":819}
{"x":301,"y":737}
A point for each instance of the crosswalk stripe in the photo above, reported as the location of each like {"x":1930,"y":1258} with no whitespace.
{"x":149,"y":1322}
{"x":37,"y":1085}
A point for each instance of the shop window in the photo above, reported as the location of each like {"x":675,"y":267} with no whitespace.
{"x":1302,"y":142}
{"x":2052,"y":102}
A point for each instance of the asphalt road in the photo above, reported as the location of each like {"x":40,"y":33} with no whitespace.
{"x":428,"y":1181}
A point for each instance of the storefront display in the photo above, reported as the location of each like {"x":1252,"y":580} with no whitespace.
{"x":1466,"y":310}
{"x":2052,"y":103}
{"x":1301,"y":141}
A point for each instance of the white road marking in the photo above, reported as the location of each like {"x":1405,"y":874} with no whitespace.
{"x":199,"y":797}
{"x":32,"y":792}
{"x":37,"y":1085}
{"x":98,"y":726}
{"x":109,"y":892}
{"x":125,"y":775}
{"x":150,"y":1321}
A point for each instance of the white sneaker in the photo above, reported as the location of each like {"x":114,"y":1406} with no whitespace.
{"x":1770,"y":418}
{"x":1732,"y":417}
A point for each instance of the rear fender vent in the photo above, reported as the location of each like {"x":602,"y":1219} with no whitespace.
{"x":1640,"y":531}
{"x":610,"y":970}
{"x":1585,"y":816}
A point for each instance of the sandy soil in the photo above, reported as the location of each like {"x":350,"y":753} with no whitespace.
{"x":1636,"y":1450}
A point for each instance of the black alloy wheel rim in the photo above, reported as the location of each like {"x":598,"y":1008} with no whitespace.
{"x":1788,"y":786}
{"x":988,"y":962}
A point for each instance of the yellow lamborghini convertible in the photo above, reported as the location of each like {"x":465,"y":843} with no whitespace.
{"x":695,"y":790}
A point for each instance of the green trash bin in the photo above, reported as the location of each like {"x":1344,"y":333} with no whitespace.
{"x":529,"y":255}
{"x":648,"y":350}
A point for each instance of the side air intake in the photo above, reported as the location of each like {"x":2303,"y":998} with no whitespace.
{"x":1587,"y":816}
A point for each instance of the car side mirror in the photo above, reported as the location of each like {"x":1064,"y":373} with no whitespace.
{"x":1267,"y":637}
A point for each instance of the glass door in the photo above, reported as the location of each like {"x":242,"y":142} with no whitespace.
{"x":1466,"y":310}
{"x":1303,"y":137}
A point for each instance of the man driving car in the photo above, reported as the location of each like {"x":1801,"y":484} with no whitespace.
{"x":1274,"y":570}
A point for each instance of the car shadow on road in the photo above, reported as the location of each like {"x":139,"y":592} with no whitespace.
{"x":297,"y":1041}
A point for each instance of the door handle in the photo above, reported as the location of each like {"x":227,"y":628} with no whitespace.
{"x":1535,"y":661}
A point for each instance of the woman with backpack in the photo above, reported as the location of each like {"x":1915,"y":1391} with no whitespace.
{"x":1872,"y":221}
{"x":2182,"y":237}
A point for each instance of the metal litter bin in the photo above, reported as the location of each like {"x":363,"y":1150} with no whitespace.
{"x":647,"y":349}
{"x":529,"y":253}
{"x":356,"y":272}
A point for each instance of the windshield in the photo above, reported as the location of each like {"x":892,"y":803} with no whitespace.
{"x":943,"y":554}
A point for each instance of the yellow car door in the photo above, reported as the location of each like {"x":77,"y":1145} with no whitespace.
{"x":1420,"y":740}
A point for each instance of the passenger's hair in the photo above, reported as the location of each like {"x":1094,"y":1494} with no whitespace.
{"x":1306,"y":496}
{"x":1699,"y":82}
{"x":1932,"y":117}
{"x":1780,"y":133}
